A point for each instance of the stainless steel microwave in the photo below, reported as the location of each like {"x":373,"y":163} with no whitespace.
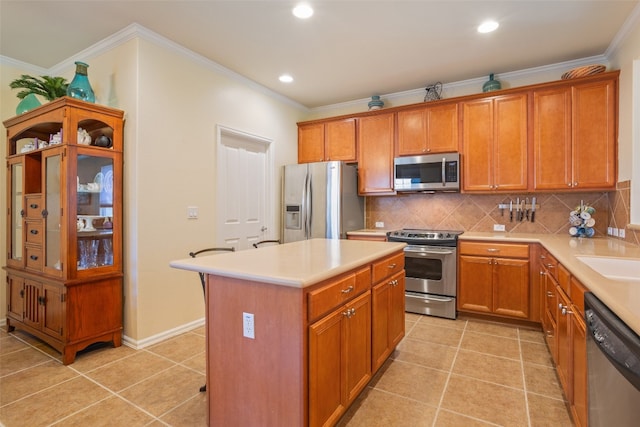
{"x":432,"y":172}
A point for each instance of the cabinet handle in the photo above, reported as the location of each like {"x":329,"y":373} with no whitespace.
{"x":41,"y":300}
{"x":34,"y":257}
{"x":551,"y":266}
{"x":346,"y":291}
{"x":542,"y":273}
{"x":392,"y":265}
{"x":549,"y":294}
{"x":21,"y":293}
{"x":560,"y":306}
{"x":349,"y":312}
{"x":565,"y":311}
{"x":493,"y":250}
{"x":22,"y":213}
{"x":33,"y":206}
{"x":394,"y":282}
{"x":45,"y":213}
{"x":550,"y":334}
{"x":33,"y":231}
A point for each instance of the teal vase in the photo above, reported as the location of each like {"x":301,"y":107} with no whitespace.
{"x":29,"y":102}
{"x":491,"y":85}
{"x":80,"y":88}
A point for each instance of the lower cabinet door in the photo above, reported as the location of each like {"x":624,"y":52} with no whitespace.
{"x":579,"y":407}
{"x":511,"y":287}
{"x":475,"y":291}
{"x":357,"y":345}
{"x":339,"y":360}
{"x":326,"y":396}
{"x":388,"y":302}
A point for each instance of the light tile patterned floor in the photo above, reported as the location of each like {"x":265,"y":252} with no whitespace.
{"x":444,"y":373}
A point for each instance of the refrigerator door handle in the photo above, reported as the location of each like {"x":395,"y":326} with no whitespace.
{"x":307,"y":212}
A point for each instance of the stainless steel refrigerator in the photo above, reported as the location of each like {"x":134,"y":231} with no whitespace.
{"x":320,"y":200}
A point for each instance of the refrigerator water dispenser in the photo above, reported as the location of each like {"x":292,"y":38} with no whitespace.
{"x":293,"y":219}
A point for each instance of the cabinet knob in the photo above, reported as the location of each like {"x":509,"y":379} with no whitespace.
{"x":565,"y":311}
{"x":33,"y":231}
{"x":22,"y":213}
{"x":34,"y":257}
{"x":33,"y":206}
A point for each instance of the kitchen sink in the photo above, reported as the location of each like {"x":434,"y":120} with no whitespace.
{"x":613,"y":268}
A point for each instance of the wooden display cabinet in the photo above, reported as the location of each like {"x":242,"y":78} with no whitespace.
{"x":64,"y":224}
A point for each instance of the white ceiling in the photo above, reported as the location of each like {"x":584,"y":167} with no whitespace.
{"x":348,"y":50}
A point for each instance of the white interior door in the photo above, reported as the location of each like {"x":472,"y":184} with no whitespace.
{"x":244,"y":195}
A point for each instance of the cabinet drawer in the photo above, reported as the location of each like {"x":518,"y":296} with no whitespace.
{"x":34,"y":256}
{"x":33,"y":206}
{"x":34,"y":232}
{"x":388,"y":267}
{"x":513,"y":250}
{"x":548,"y":262}
{"x":328,"y":297}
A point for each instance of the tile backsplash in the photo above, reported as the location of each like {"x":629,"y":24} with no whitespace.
{"x":476,"y":212}
{"x":620,"y":211}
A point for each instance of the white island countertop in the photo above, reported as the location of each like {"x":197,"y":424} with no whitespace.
{"x":297,"y":264}
{"x":621,"y":296}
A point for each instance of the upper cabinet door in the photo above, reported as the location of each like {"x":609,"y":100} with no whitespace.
{"x":594,"y":135}
{"x":375,"y":154}
{"x":340,"y":140}
{"x":552,"y":138}
{"x":432,"y":129}
{"x":574,"y":136}
{"x":311,"y":143}
{"x":495,"y":143}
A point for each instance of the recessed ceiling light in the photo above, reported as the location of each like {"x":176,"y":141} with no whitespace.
{"x":286,"y":78}
{"x":302,"y":11}
{"x":488,"y":26}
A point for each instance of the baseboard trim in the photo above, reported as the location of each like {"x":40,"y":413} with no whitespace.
{"x":154,"y":339}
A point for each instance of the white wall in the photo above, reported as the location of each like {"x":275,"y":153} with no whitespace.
{"x":173,"y":101}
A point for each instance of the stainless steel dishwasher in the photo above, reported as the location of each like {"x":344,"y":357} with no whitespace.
{"x":613,"y":361}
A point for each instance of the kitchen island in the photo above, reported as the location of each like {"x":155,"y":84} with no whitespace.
{"x":296,"y":331}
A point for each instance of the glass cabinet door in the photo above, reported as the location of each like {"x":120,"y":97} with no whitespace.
{"x":94,"y":211}
{"x":53,"y":219}
{"x":16,"y":212}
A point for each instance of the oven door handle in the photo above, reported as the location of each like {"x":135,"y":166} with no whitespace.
{"x":428,"y":297}
{"x":424,"y":253}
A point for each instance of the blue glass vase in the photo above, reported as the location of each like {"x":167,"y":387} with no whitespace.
{"x":80,"y":88}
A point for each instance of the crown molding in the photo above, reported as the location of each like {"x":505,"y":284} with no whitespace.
{"x":10,"y":62}
{"x":136,"y":30}
{"x":559,"y":67}
{"x":633,"y":20}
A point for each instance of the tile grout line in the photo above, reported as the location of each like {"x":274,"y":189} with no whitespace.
{"x":446,"y":383}
{"x":524,"y":380}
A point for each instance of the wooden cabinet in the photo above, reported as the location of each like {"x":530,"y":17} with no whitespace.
{"x":375,"y":154}
{"x":494,"y":143}
{"x":494,"y":278}
{"x":575,"y":136}
{"x":339,"y":360}
{"x":388,"y":308}
{"x":430,"y":129}
{"x":333,"y":140}
{"x":64,"y":225}
{"x":565,"y":332}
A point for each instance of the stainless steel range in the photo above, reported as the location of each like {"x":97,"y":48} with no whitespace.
{"x":430,"y":259}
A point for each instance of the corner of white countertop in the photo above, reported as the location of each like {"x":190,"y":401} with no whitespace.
{"x":297,"y":264}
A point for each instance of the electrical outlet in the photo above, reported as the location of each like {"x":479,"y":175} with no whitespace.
{"x":248,"y":326}
{"x":379,"y":224}
{"x":621,"y":233}
{"x":614,"y":232}
{"x":610,"y":231}
{"x":498,"y":227}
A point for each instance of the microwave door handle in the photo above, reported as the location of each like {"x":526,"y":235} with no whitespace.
{"x":444,"y":162}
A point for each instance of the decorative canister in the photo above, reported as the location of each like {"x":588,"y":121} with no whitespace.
{"x":376,"y":103}
{"x":80,"y":87}
{"x":491,"y":84}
